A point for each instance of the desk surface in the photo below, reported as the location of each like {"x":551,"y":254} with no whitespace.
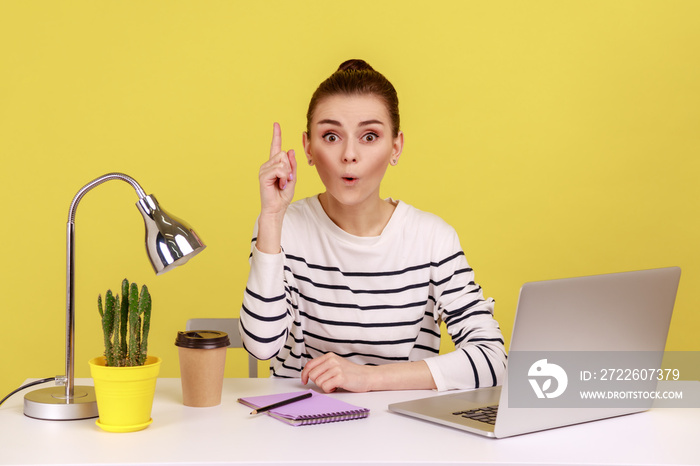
{"x":227,"y":434}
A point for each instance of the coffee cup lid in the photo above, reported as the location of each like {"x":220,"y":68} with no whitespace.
{"x":202,"y":339}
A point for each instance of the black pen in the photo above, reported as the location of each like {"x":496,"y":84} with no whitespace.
{"x":281,"y":403}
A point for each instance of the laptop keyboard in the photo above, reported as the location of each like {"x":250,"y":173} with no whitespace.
{"x":486,"y":414}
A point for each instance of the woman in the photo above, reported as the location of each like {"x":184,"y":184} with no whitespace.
{"x":347,"y":289}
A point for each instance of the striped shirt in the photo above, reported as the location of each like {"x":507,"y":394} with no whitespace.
{"x":372,"y":300}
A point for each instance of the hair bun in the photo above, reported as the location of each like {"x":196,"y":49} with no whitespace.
{"x":354,"y":64}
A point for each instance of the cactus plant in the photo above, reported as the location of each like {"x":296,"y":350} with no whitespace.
{"x":126,"y":323}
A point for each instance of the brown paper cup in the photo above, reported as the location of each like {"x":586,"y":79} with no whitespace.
{"x":202,"y":360}
{"x":202,"y":374}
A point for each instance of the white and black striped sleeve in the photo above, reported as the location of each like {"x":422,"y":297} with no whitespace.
{"x":479,"y":359}
{"x":265,"y":318}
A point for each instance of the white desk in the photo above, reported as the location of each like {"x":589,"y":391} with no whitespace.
{"x":227,"y":434}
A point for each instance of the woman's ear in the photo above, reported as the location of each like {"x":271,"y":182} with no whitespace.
{"x":307,"y":147}
{"x":397,"y":148}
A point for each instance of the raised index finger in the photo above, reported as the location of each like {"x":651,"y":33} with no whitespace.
{"x":276,"y":146}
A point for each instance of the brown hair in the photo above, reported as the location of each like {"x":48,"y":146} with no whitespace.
{"x":357,"y":77}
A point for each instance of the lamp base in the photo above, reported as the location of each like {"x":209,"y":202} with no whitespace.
{"x":52,"y":404}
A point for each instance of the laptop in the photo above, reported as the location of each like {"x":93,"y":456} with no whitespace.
{"x":618,"y":314}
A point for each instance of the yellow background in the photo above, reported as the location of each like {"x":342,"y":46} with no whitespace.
{"x":559,"y":138}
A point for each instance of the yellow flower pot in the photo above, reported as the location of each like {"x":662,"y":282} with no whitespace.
{"x":124,"y":394}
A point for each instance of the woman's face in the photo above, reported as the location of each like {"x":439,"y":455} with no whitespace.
{"x":351,"y":145}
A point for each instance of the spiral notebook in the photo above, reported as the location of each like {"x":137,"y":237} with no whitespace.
{"x":318,"y":409}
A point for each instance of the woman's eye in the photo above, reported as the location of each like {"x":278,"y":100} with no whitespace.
{"x":369,"y":137}
{"x":330,"y":137}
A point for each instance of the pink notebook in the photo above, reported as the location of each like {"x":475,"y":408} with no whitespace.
{"x":318,"y":409}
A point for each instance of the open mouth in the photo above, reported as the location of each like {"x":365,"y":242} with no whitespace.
{"x":349,"y":179}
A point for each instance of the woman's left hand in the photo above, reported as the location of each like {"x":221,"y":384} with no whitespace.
{"x":330,"y":372}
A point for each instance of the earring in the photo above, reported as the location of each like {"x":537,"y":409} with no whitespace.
{"x":394,"y":162}
{"x":311,"y":162}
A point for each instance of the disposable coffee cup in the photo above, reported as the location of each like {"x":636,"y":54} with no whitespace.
{"x":202,"y":361}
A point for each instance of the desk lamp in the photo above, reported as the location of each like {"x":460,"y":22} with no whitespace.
{"x":169,"y":242}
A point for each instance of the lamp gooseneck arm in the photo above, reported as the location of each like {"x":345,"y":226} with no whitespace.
{"x":70,"y":275}
{"x":98,"y":181}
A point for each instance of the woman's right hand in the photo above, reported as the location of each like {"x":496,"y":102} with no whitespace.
{"x":278,"y":177}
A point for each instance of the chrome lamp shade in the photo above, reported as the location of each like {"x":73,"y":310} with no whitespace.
{"x":169,"y":242}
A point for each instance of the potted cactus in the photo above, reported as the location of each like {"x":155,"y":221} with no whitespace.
{"x":125,"y":377}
